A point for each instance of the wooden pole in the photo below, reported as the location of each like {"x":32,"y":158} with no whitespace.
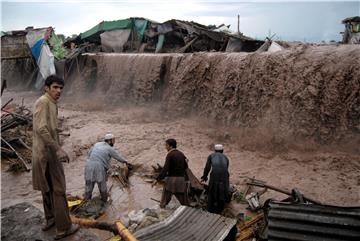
{"x":6,"y":102}
{"x":282,"y":191}
{"x":27,"y":168}
{"x":88,"y":223}
{"x":238,"y":26}
{"x":124,"y":232}
{"x":117,"y":228}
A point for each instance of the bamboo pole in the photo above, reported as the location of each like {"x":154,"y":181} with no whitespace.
{"x":117,"y":228}
{"x":124,"y":232}
{"x":88,"y":223}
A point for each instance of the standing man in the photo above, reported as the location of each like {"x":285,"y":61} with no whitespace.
{"x":219,"y":179}
{"x":47,"y":170}
{"x":174,"y":171}
{"x":97,"y":165}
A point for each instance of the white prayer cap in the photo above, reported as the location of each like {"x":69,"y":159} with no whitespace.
{"x":218,"y":147}
{"x":108,"y":136}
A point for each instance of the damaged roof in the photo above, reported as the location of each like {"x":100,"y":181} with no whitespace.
{"x":188,"y":223}
{"x":144,"y":35}
{"x":351,"y":19}
{"x":129,"y":23}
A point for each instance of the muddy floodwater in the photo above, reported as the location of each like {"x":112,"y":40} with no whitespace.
{"x":328,"y":175}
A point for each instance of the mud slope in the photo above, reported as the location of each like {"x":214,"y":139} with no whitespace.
{"x":309,"y":92}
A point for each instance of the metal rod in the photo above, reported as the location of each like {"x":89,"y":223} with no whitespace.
{"x":280,"y":190}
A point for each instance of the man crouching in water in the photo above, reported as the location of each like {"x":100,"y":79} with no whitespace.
{"x":174,"y":171}
{"x":98,"y":164}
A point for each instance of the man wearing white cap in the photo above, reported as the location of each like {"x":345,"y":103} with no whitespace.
{"x":218,"y":189}
{"x":97,"y":165}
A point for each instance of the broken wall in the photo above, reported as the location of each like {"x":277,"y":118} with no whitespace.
{"x":18,"y":72}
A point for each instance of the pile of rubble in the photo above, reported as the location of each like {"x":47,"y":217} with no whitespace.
{"x":16,"y":139}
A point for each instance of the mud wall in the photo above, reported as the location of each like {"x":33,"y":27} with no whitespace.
{"x":304,"y":92}
{"x":308,"y":91}
{"x":18,"y":73}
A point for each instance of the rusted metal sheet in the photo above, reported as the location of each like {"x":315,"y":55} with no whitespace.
{"x":308,"y":222}
{"x":188,"y":223}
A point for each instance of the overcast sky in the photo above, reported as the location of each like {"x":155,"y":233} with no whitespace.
{"x":291,"y":20}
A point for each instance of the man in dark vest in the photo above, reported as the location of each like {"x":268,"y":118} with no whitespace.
{"x":218,"y":189}
{"x":174,"y":174}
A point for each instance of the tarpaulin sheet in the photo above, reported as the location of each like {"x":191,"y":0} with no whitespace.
{"x":46,"y":66}
{"x":140,"y":27}
{"x":107,"y":26}
{"x":42,"y":54}
{"x":160,"y":43}
{"x":113,"y":41}
{"x":57,"y":48}
{"x":164,"y":28}
{"x":35,"y":41}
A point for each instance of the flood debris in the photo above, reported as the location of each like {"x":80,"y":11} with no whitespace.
{"x":248,"y":229}
{"x":270,"y":46}
{"x":15,"y":136}
{"x":93,"y":208}
{"x":281,"y":219}
{"x":85,"y":213}
{"x":187,"y":223}
{"x":120,"y":174}
{"x":136,"y":220}
{"x":295,"y":193}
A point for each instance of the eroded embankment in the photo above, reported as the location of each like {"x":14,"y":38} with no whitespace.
{"x":309,"y":92}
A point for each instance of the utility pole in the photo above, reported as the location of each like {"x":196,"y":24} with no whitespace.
{"x":238,"y":24}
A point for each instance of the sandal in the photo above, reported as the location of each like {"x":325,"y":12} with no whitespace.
{"x":73,"y":229}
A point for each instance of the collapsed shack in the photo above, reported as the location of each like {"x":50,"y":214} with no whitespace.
{"x":173,"y":36}
{"x":29,"y":56}
{"x":351,"y":35}
{"x":17,"y":63}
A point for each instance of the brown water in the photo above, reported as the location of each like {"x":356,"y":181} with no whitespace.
{"x":330,"y":177}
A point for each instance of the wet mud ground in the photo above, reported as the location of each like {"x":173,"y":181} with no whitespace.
{"x":327,"y":175}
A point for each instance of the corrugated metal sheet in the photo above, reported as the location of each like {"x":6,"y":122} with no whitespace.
{"x":186,"y":224}
{"x":305,"y":222}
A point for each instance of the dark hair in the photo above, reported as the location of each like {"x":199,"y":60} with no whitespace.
{"x":54,"y":79}
{"x":220,"y":151}
{"x":171,"y":142}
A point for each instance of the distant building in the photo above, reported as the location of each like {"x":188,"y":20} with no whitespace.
{"x":351,"y":35}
